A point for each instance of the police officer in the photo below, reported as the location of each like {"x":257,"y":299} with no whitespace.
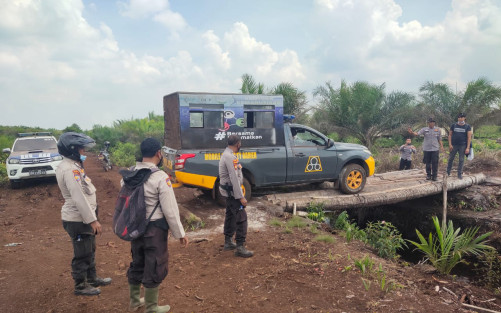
{"x":459,"y":143}
{"x":230,"y":180}
{"x":149,"y":252}
{"x":79,"y":212}
{"x":431,"y":144}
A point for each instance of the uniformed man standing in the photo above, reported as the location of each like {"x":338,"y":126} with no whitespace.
{"x":79,"y":212}
{"x":230,"y":182}
{"x":459,"y":143}
{"x":150,"y":252}
{"x":431,"y":144}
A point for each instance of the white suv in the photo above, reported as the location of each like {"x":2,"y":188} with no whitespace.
{"x":33,"y":155}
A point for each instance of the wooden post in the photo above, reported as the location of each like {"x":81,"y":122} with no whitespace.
{"x":444,"y":212}
{"x":294,"y":209}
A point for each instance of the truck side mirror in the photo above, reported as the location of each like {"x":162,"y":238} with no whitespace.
{"x":6,"y":150}
{"x":330,"y":143}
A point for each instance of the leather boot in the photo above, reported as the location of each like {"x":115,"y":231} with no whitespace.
{"x":96,"y":282}
{"x":151,"y":300}
{"x":242,"y":252}
{"x":229,"y":244}
{"x":84,"y":289}
{"x":135,"y":297}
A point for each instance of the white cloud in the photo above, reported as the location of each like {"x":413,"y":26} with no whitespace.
{"x":142,"y":8}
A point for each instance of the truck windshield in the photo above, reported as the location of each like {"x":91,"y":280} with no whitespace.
{"x":35,"y":144}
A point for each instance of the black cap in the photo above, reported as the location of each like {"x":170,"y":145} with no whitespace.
{"x":149,"y":147}
{"x":461,"y":114}
{"x":431,"y":120}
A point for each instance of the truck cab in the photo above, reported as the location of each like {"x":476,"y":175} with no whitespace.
{"x":33,"y":155}
{"x":274,"y":150}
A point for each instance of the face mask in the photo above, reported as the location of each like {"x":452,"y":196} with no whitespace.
{"x":83,"y":157}
{"x":408,"y":144}
{"x":238,"y":148}
{"x":462,"y":123}
{"x":160,"y":162}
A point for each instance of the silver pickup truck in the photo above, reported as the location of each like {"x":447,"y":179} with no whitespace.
{"x":274,"y":150}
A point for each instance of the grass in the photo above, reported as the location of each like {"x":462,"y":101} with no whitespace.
{"x":296,"y":222}
{"x":275,"y":222}
{"x":325,"y":238}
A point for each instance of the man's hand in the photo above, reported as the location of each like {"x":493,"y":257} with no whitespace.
{"x":184,"y":242}
{"x":410,"y":131}
{"x":467,"y":151}
{"x":243,"y":201}
{"x":450,"y":148}
{"x":96,"y":227}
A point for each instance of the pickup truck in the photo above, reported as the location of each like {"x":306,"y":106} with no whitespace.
{"x":274,"y":150}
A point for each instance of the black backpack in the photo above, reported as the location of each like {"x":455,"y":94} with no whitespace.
{"x":129,"y":220}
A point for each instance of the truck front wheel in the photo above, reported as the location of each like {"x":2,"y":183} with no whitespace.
{"x":352,"y":179}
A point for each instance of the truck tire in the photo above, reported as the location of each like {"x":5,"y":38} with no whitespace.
{"x":352,"y":179}
{"x":221,"y":200}
{"x":14,"y":184}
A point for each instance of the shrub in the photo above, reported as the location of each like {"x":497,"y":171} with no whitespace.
{"x":488,"y":131}
{"x":489,"y":269}
{"x":4,"y":179}
{"x":385,"y":238}
{"x":316,"y":212}
{"x":352,"y":231}
{"x":124,"y":154}
{"x":448,"y":248}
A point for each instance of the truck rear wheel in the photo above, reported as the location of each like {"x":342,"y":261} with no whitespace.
{"x":352,"y":179}
{"x":221,"y":200}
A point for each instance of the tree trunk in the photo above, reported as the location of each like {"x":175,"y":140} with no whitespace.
{"x":386,"y":188}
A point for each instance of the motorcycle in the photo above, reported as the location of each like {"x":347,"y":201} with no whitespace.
{"x":105,"y":157}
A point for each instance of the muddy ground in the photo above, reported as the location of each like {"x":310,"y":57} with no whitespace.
{"x":290,"y":272}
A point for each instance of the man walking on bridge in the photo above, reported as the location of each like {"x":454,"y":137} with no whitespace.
{"x":459,"y":143}
{"x":431,"y":144}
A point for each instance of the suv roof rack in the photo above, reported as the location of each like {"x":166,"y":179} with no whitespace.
{"x":34,"y":134}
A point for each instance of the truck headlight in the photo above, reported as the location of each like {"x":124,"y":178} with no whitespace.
{"x":13,"y":161}
{"x":57,"y":158}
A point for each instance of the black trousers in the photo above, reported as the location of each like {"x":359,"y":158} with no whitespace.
{"x":150,"y":258}
{"x":430,"y":158}
{"x":405,"y":164}
{"x":83,"y":264}
{"x":235,"y":220}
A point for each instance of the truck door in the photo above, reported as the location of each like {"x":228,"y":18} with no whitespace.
{"x":311,"y":157}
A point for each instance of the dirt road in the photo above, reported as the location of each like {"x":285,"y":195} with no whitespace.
{"x":290,"y":272}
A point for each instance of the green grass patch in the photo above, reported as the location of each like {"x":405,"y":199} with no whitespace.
{"x":275,"y":222}
{"x":325,"y":238}
{"x":296,"y":222}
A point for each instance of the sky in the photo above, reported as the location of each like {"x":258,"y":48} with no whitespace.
{"x":96,"y":62}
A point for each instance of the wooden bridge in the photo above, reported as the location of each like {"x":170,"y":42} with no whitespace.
{"x":380,"y":189}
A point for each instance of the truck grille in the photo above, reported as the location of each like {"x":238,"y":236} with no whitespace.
{"x":35,"y":160}
{"x":36,"y":168}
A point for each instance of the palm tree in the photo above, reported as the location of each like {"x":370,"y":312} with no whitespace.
{"x":363,"y":110}
{"x":249,"y":85}
{"x":480,"y":99}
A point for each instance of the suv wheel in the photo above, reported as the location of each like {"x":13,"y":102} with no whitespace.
{"x":15,"y":184}
{"x":352,"y":179}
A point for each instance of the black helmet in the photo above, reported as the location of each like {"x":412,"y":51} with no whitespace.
{"x":69,"y":143}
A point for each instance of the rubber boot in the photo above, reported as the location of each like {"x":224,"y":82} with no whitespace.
{"x":242,"y":252}
{"x":84,"y":289}
{"x":135,"y":297}
{"x":151,"y":301}
{"x":229,"y":244}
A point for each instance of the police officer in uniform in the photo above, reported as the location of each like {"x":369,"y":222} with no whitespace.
{"x":79,"y":212}
{"x":431,"y":144}
{"x":230,"y":180}
{"x":150,"y":251}
{"x":459,"y":143}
